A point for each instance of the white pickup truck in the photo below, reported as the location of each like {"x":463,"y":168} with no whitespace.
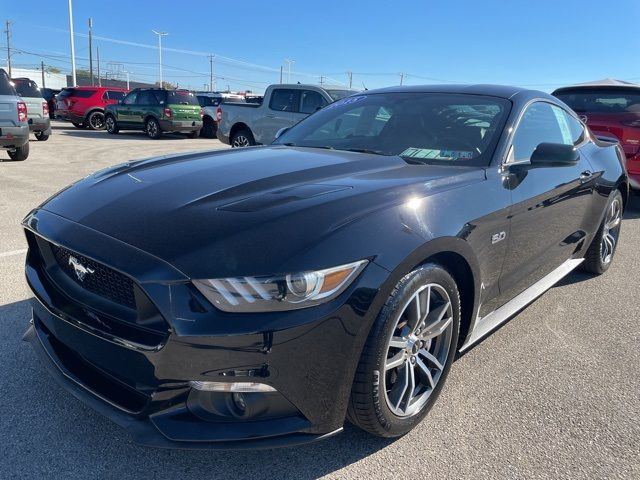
{"x":246,"y":124}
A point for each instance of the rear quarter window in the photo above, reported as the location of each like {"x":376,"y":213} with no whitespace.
{"x":83,"y":93}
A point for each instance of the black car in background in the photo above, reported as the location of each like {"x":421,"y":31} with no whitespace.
{"x":257,"y":297}
{"x":49,"y":94}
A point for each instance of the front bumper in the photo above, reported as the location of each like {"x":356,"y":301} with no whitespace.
{"x":11,"y":137}
{"x":309,"y":356}
{"x":40,"y":125}
{"x":180,"y":125}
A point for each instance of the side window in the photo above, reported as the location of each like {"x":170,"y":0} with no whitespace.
{"x":539,"y":124}
{"x":159,"y":97}
{"x":112,"y":95}
{"x":284,"y":100}
{"x":575,"y":128}
{"x":146,"y":98}
{"x":311,"y":101}
{"x":131,"y":98}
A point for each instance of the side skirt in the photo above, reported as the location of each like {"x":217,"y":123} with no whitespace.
{"x":486,"y":324}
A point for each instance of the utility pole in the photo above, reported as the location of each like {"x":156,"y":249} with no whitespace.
{"x":73,"y":46}
{"x":42,"y":68}
{"x":91,"y":51}
{"x":401,"y":78}
{"x":321,"y":79}
{"x":8,"y":32}
{"x":280,"y":73}
{"x":350,"y":78}
{"x":160,"y":35}
{"x":289,"y":62}
{"x":98,"y":59}
{"x":212,"y":87}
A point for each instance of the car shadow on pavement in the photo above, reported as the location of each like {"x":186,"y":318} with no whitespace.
{"x":50,"y":433}
{"x":103,"y":135}
{"x":633,"y":207}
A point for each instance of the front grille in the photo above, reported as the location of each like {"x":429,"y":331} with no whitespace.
{"x":100,"y":279}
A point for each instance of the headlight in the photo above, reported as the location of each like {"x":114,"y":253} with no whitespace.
{"x":279,"y":292}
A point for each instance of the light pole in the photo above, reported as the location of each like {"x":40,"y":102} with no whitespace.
{"x":127,"y":72}
{"x":289,"y":62}
{"x":73,"y":47}
{"x":160,"y":35}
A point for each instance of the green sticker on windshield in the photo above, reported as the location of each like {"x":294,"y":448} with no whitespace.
{"x":567,"y":138}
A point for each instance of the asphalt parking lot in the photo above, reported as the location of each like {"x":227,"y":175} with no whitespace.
{"x":555,"y":393}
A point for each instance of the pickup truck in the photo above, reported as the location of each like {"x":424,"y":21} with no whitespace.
{"x":246,"y":124}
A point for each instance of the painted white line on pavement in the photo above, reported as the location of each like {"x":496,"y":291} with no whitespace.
{"x":13,"y":252}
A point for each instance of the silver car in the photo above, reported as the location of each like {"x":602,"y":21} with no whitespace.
{"x":37,"y":107}
{"x":14,"y":128}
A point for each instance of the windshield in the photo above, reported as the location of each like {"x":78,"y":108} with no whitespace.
{"x":338,"y":94}
{"x":178,"y":97}
{"x":611,"y":100}
{"x":26,"y":88}
{"x":432,"y":128}
{"x":66,"y":92}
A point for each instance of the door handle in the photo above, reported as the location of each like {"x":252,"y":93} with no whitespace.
{"x":586,"y":176}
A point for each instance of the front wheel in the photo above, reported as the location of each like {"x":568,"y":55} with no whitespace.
{"x":111,"y":125}
{"x":603,"y":247}
{"x":96,"y":121}
{"x":408,"y":353}
{"x":41,"y":137}
{"x":152,"y":127}
{"x":20,"y":153}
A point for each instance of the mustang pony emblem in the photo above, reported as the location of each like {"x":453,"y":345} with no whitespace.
{"x":81,"y":270}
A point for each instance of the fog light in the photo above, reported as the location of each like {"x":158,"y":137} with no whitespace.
{"x":233,"y":387}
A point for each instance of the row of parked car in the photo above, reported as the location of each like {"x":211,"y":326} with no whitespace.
{"x":610,"y":108}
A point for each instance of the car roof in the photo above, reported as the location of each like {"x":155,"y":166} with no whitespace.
{"x":502,"y":91}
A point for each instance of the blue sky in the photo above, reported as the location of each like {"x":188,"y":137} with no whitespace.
{"x":542,"y":44}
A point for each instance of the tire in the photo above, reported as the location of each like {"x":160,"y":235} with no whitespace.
{"x":242,"y":138}
{"x":209,"y":128}
{"x":194,"y":134}
{"x":378,"y":400}
{"x":21,"y":153}
{"x":111,"y":125}
{"x":95,"y":121}
{"x":79,"y":125}
{"x":600,"y":254}
{"x":42,"y":137}
{"x":152,"y":127}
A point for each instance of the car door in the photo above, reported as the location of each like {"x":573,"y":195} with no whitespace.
{"x":124,"y":109}
{"x":279,"y":114}
{"x":549,"y":203}
{"x":310,"y":102}
{"x":139,"y":108}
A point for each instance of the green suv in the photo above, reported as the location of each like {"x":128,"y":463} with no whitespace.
{"x":155,"y":110}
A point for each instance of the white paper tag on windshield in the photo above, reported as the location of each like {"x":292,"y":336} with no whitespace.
{"x":434,"y":154}
{"x":567,"y":138}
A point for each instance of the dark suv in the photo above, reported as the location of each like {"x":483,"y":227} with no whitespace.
{"x":611,"y":109}
{"x":156,"y":110}
{"x":84,"y":106}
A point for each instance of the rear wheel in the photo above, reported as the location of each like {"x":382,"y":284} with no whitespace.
{"x":408,"y":354}
{"x":41,"y":137}
{"x":242,"y":138}
{"x":20,"y":153}
{"x":194,"y":134}
{"x":96,"y":121}
{"x":79,"y":125}
{"x":603,"y":247}
{"x":111,"y":124}
{"x":152,"y":127}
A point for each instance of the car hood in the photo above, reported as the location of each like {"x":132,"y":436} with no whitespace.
{"x":226,"y":211}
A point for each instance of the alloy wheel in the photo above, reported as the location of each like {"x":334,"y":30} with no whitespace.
{"x":152,"y":129}
{"x":241,"y":141}
{"x":418,"y":350}
{"x":110,"y":123}
{"x":611,"y":231}
{"x":96,"y":121}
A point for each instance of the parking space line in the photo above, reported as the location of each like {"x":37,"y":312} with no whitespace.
{"x":13,"y":252}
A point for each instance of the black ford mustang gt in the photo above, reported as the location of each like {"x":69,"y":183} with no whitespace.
{"x":257,"y":297}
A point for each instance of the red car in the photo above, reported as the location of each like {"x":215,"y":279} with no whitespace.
{"x":611,"y":109}
{"x":84,"y":106}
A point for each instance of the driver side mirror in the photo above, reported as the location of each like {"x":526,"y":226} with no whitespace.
{"x":281,"y":132}
{"x":555,"y":154}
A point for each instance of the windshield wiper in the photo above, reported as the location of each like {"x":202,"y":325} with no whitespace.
{"x":291,"y":144}
{"x":364,"y":150}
